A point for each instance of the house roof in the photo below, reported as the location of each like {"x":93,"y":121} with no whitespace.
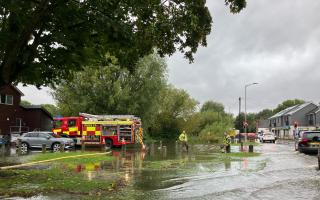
{"x":17,"y":89}
{"x":33,"y":107}
{"x":316,"y":110}
{"x":282,"y":112}
{"x":298,"y":107}
{"x":12,"y":87}
{"x":291,"y":110}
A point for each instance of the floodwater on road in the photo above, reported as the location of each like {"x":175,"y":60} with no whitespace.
{"x":167,"y":172}
{"x":281,"y":174}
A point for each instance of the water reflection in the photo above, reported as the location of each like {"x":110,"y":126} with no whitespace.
{"x":165,"y":167}
{"x":227,"y":164}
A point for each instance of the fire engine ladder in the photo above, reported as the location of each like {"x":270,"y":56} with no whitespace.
{"x":107,"y":117}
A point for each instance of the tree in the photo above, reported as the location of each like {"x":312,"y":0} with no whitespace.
{"x":44,"y":41}
{"x":264,"y":114}
{"x":212,"y":106}
{"x":238,"y":122}
{"x":174,"y":106}
{"x":251,"y":120}
{"x":108,"y":89}
{"x":176,"y":102}
{"x":52,"y":109}
{"x":252,"y":123}
{"x":287,"y":103}
{"x":210,"y":123}
{"x":25,"y":103}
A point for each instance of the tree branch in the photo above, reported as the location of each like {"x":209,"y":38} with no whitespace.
{"x":14,"y":47}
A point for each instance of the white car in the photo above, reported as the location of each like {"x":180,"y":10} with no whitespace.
{"x":268,"y":137}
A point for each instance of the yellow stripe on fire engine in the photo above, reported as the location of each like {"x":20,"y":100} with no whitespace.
{"x":56,"y":130}
{"x":84,"y":132}
{"x":66,"y":132}
{"x":73,"y":129}
{"x":109,"y":122}
{"x":98,"y":133}
{"x":79,"y":133}
{"x":91,"y":128}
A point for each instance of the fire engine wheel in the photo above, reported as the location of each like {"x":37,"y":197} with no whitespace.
{"x":56,"y":147}
{"x":109,"y":143}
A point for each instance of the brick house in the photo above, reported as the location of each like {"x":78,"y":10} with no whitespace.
{"x":15,"y":118}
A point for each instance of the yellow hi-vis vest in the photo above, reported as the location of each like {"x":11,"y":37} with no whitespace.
{"x":227,"y":140}
{"x":183,"y":137}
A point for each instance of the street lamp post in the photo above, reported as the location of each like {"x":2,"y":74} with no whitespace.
{"x":239,"y":119}
{"x":245,"y":109}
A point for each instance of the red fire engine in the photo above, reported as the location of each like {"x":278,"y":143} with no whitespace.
{"x":109,"y":130}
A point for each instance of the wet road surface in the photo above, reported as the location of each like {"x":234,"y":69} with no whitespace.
{"x":279,"y":173}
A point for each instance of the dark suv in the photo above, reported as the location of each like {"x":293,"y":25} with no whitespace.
{"x":37,"y":139}
{"x":309,"y":141}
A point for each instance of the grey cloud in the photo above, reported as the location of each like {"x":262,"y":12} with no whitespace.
{"x":274,"y":43}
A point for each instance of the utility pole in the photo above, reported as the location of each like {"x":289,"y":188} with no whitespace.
{"x":239,"y":118}
{"x":245,"y":109}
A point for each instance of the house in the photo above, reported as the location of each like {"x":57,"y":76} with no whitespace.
{"x":283,"y":122}
{"x":313,"y":117}
{"x":15,"y":118}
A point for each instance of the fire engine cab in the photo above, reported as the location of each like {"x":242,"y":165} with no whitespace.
{"x":109,"y":130}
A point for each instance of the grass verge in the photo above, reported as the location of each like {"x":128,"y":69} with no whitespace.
{"x":246,"y":144}
{"x":27,"y":183}
{"x":68,"y":175}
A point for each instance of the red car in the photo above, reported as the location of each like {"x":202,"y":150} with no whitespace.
{"x":309,"y":142}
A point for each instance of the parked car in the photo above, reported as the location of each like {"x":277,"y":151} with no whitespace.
{"x":268,"y":137}
{"x":37,"y":139}
{"x":309,"y":142}
{"x":14,"y":137}
{"x":2,"y":141}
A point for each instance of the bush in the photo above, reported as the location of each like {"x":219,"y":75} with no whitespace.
{"x":213,"y":133}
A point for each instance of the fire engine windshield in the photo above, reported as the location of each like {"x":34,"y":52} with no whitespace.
{"x":57,"y":123}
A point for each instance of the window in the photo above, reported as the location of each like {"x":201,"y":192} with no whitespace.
{"x":310,"y":135}
{"x":286,"y":119}
{"x":44,"y":135}
{"x":9,"y":99}
{"x":31,"y":134}
{"x":310,"y":119}
{"x":6,"y":99}
{"x":57,"y":124}
{"x":71,"y":122}
{"x":109,"y":130}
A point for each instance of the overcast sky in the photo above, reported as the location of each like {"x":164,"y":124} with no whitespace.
{"x":274,"y":43}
